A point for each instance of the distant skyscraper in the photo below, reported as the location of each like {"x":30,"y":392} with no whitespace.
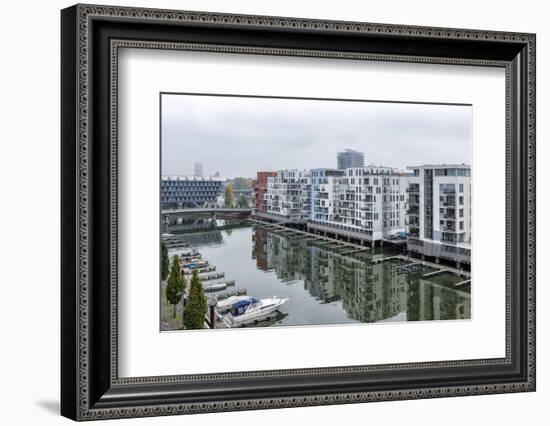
{"x":199,"y":172}
{"x":350,"y":158}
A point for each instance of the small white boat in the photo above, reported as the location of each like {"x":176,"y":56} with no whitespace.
{"x":190,"y":255}
{"x":194,"y":263}
{"x":208,"y":288}
{"x":253,"y":310}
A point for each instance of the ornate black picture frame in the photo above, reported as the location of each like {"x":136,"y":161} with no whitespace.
{"x":90,"y":38}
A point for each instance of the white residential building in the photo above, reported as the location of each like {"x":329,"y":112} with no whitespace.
{"x":439,"y":212}
{"x":288,"y":193}
{"x":372,"y":199}
{"x":364,"y":203}
{"x":325,"y":186}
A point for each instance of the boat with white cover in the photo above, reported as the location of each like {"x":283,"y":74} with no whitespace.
{"x":253,"y":310}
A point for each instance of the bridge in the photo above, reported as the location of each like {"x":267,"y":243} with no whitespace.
{"x":174,"y":216}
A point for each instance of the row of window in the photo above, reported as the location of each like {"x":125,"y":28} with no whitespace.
{"x":447,"y":172}
{"x":187,"y":198}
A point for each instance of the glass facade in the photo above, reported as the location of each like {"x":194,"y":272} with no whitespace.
{"x":189,"y":192}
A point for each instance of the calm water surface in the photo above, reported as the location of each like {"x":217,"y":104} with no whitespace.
{"x":324,"y":286}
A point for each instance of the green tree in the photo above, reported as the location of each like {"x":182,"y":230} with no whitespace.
{"x":197,"y":306}
{"x":242,"y":202}
{"x":229,"y":196}
{"x":165,"y":263}
{"x":176,"y":284}
{"x":241,"y":183}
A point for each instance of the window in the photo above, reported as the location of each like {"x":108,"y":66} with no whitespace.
{"x":461,"y":200}
{"x":461,"y":225}
{"x":461,"y":213}
{"x":446,"y":188}
{"x":461,"y":187}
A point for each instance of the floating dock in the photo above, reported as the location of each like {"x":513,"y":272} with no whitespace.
{"x":200,"y":269}
{"x":463,"y":283}
{"x":212,"y":276}
{"x":228,"y":293}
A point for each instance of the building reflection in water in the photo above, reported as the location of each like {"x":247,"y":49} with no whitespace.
{"x":369,"y":292}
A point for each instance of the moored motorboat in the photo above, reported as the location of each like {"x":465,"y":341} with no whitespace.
{"x":200,"y":269}
{"x":252,"y":310}
{"x":189,"y":255}
{"x":194,"y":264}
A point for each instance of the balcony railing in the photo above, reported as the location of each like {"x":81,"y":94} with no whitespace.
{"x":449,"y":229}
{"x":447,"y":190}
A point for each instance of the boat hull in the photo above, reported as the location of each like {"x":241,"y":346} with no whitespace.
{"x":266,"y":310}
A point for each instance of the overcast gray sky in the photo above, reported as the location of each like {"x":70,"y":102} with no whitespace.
{"x":238,"y":136}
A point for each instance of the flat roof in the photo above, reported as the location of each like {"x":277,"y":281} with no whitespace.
{"x":195,"y":178}
{"x":440,"y":166}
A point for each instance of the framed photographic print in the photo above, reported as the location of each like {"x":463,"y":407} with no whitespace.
{"x":263,"y":212}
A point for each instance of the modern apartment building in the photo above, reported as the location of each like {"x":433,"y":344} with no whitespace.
{"x":431,"y":205}
{"x":259,"y":186}
{"x":371,"y":202}
{"x":288,"y":194}
{"x":363,"y":203}
{"x":439,"y":212}
{"x":325,"y":187}
{"x":185,"y":191}
{"x":350,"y":158}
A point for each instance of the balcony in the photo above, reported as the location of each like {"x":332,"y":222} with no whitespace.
{"x":366,"y":199}
{"x":448,"y":207}
{"x":448,"y":228}
{"x":448,"y":190}
{"x":414,"y":199}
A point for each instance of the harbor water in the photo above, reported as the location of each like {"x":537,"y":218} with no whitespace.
{"x":323,"y":285}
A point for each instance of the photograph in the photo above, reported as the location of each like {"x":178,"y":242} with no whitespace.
{"x":274,"y":208}
{"x":282,"y":211}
